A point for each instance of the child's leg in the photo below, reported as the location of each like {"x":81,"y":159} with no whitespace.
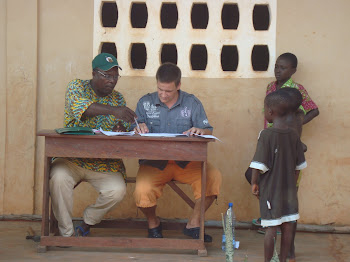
{"x":269,"y":242}
{"x":291,"y":254}
{"x":286,"y":240}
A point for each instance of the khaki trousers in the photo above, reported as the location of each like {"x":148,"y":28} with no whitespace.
{"x":64,"y":176}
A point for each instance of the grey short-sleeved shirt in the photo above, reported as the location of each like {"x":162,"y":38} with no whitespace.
{"x":187,"y":112}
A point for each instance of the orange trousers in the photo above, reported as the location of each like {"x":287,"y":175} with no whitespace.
{"x":150,"y":181}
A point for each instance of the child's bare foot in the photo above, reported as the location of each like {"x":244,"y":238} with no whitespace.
{"x":291,"y":256}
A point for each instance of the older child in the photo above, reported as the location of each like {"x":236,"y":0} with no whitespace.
{"x":279,"y":157}
{"x":285,"y":67}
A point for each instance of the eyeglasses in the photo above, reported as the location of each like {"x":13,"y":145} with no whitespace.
{"x":109,"y":77}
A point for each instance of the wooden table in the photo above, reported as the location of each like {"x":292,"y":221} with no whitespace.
{"x":101,"y":146}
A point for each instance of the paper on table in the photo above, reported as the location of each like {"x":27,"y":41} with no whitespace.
{"x":111,"y":133}
{"x":209,"y":136}
{"x":175,"y":135}
{"x":162,"y":134}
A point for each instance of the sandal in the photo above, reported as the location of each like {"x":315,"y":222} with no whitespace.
{"x":79,"y":232}
{"x":194,"y":233}
{"x":257,"y":222}
{"x":155,"y":232}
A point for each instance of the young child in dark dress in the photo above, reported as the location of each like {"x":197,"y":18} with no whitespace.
{"x":275,"y":167}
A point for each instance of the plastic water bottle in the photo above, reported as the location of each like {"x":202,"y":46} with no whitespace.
{"x":230,"y":218}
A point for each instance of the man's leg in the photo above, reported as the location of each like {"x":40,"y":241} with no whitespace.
{"x":194,"y":220}
{"x":192,"y":174}
{"x":150,"y":182}
{"x":63,"y":177}
{"x":286,"y":239}
{"x":269,"y":242}
{"x":111,"y":188}
{"x":152,"y":219}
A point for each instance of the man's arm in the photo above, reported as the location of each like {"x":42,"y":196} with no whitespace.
{"x":120,"y":112}
{"x":198,"y":131}
{"x":141,"y":115}
{"x":200,"y":121}
{"x":143,"y":129}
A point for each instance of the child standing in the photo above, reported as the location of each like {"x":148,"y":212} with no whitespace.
{"x":279,"y":157}
{"x":285,"y":67}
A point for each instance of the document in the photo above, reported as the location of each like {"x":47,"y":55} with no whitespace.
{"x":176,"y":135}
{"x":111,"y":133}
{"x":162,"y":134}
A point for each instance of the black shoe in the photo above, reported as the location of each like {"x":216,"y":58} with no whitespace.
{"x":194,"y":233}
{"x":155,"y":232}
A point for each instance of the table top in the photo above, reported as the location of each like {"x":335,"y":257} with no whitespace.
{"x":142,"y":147}
{"x":53,"y":134}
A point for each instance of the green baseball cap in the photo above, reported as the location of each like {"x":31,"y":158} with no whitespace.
{"x":105,"y":61}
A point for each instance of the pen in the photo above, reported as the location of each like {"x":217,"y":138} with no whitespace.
{"x":137,"y":124}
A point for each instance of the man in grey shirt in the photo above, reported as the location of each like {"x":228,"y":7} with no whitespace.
{"x":170,"y":110}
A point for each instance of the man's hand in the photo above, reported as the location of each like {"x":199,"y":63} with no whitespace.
{"x":197,"y":131}
{"x":120,"y":112}
{"x":124,"y":113}
{"x":255,"y":190}
{"x":143,"y":129}
{"x":119,"y":128}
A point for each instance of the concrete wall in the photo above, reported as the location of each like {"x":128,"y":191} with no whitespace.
{"x":46,"y":43}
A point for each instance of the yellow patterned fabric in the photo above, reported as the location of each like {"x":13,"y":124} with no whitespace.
{"x":79,"y":96}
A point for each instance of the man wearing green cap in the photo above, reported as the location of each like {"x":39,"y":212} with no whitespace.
{"x":95,"y":104}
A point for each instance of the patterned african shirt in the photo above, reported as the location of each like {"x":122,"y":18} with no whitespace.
{"x":306,"y":106}
{"x":79,"y":96}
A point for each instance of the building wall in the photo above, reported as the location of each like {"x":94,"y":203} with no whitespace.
{"x":19,"y":47}
{"x":3,"y":88}
{"x":46,"y":43}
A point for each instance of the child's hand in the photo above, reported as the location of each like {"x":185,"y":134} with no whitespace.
{"x":255,"y":190}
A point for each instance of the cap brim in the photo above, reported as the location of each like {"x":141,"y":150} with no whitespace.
{"x":108,"y":67}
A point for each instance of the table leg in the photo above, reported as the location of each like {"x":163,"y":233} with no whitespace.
{"x":45,"y":207}
{"x":203,"y":194}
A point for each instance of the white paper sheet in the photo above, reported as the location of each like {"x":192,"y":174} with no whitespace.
{"x":111,"y":133}
{"x":175,"y":135}
{"x":162,"y":134}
